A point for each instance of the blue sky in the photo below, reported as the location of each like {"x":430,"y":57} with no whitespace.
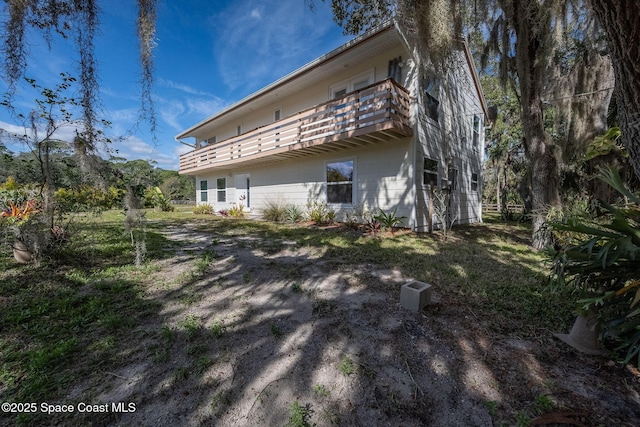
{"x":209,"y":54}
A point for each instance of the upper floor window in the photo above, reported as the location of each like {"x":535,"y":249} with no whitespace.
{"x":431,"y":103}
{"x":430,"y":172}
{"x":395,"y":69}
{"x":238,"y":130}
{"x":476,"y":131}
{"x":276,"y":115}
{"x":340,"y":182}
{"x":356,"y":82}
{"x":204,"y":191}
{"x":221,"y":188}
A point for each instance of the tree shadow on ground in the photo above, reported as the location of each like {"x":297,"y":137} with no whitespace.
{"x":245,"y":321}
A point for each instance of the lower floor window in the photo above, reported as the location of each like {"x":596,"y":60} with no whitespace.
{"x":474,"y":181}
{"x":340,"y":182}
{"x":221,"y":188}
{"x":430,"y":172}
{"x":453,"y":178}
{"x":204,"y":193}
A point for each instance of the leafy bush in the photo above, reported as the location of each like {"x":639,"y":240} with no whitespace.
{"x":203,"y":210}
{"x":603,"y":266}
{"x":159,"y":201}
{"x":86,"y":198}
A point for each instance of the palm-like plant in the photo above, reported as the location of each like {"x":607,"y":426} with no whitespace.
{"x":604,"y":265}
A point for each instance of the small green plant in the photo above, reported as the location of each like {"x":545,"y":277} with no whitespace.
{"x":180,"y":374}
{"x":203,"y":210}
{"x":389,"y":220}
{"x":346,"y":366}
{"x":320,"y":213}
{"x":237,"y":211}
{"x":492,"y":407}
{"x":296,"y":287}
{"x":168,"y":333}
{"x":191,"y":324}
{"x":275,"y":210}
{"x":293,"y":214}
{"x":299,"y":415}
{"x":220,"y":400}
{"x":522,"y":419}
{"x":543,"y":404}
{"x":202,"y":364}
{"x":217,"y":329}
{"x":319,"y":390}
{"x":246,"y":277}
{"x":275,"y":330}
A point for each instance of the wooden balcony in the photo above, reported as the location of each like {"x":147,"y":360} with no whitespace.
{"x":374,"y":114}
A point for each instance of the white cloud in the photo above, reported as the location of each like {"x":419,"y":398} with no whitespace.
{"x":253,"y":52}
{"x":205,"y":107}
{"x":255,"y":13}
{"x":14,"y":134}
{"x":182,"y":87}
{"x":170,"y":112}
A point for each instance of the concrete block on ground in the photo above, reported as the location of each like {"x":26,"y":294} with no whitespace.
{"x":415,"y":295}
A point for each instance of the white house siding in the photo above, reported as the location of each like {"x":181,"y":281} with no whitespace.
{"x":449,"y":141}
{"x":383,"y":180}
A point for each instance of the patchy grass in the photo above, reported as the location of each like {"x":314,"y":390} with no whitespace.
{"x":67,"y":319}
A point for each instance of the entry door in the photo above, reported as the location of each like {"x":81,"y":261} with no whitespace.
{"x":243,"y":193}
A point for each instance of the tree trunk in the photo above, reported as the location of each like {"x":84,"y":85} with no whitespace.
{"x":620,"y":19}
{"x":531,"y":23}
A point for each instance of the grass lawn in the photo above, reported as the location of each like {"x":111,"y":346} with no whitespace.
{"x":72,"y":324}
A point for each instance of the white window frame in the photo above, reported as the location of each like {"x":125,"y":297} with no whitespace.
{"x":477,"y":125}
{"x":349,"y":85}
{"x":431,"y":93}
{"x":337,"y":183}
{"x":475,"y":182}
{"x":204,"y":192}
{"x":221,"y":191}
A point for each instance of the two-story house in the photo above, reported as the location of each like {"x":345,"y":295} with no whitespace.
{"x":369,"y":123}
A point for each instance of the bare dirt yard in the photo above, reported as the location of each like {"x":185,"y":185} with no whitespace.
{"x":256,"y":331}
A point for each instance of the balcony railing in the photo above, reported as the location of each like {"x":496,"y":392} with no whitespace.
{"x":376,"y":113}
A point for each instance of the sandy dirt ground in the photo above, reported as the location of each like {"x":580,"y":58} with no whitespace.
{"x":268,"y":324}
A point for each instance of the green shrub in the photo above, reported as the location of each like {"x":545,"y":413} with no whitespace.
{"x":88,"y":198}
{"x":275,"y":210}
{"x":294,"y":214}
{"x":320,"y":213}
{"x":155,"y":198}
{"x":389,"y":220}
{"x":603,"y":266}
{"x":203,"y":210}
{"x":237,"y":211}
